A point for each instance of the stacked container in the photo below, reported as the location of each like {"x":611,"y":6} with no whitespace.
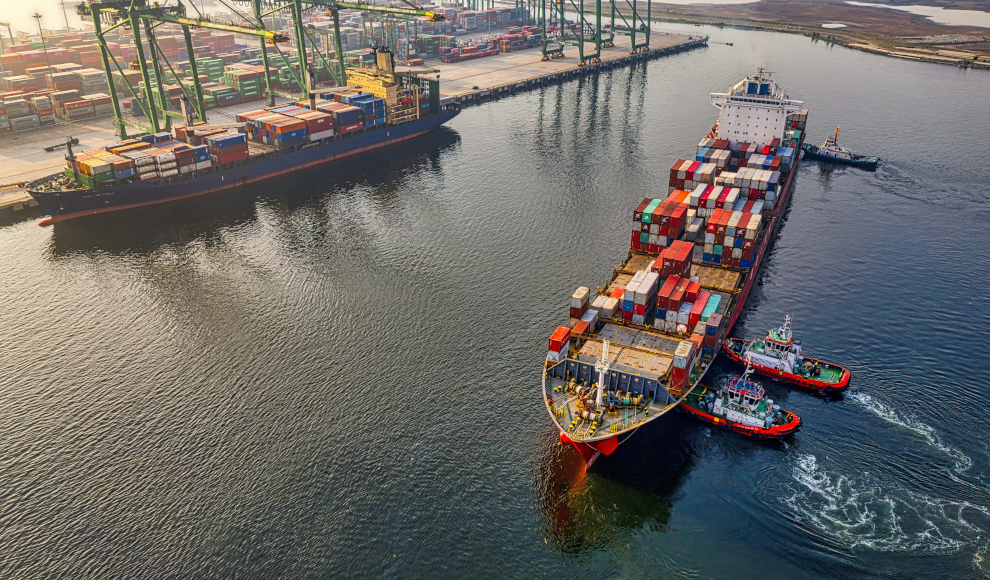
{"x":644,"y":294}
{"x":580,"y":300}
{"x":227,"y":147}
{"x":560,"y":343}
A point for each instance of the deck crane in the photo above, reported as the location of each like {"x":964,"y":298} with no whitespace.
{"x":602,"y":366}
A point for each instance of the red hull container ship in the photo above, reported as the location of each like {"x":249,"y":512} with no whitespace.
{"x":639,"y":346}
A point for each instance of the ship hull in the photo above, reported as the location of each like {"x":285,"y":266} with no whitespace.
{"x":868,"y":164}
{"x":66,"y":205}
{"x":783,"y":376}
{"x":591,"y":450}
{"x":775,"y":432}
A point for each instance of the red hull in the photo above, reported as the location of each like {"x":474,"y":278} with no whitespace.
{"x":791,"y":378}
{"x":591,"y":451}
{"x":775,"y":432}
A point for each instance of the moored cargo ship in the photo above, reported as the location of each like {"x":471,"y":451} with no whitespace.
{"x":387,"y":108}
{"x":633,"y":350}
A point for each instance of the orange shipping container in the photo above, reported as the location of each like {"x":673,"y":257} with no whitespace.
{"x":290,"y":126}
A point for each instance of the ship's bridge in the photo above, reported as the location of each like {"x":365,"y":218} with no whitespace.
{"x":754,"y":110}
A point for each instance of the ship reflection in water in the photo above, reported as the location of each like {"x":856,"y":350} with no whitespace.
{"x":585,"y":511}
{"x":144,"y":230}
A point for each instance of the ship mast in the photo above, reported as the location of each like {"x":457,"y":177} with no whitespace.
{"x":602,"y":367}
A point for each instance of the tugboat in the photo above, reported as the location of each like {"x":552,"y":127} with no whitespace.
{"x":779,"y":357}
{"x":742,"y":406}
{"x":832,"y":153}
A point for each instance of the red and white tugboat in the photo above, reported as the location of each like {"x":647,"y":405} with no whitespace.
{"x":779,"y":357}
{"x":742,"y":406}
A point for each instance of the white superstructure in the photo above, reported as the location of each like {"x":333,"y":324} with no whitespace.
{"x":755,"y":110}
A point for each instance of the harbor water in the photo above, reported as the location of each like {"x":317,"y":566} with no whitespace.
{"x":338,"y":375}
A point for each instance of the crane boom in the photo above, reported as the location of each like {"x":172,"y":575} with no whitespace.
{"x":414,"y":11}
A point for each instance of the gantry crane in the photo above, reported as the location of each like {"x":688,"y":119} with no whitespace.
{"x":135,"y":14}
{"x":585,"y":30}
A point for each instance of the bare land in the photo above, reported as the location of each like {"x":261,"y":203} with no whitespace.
{"x":876,"y":29}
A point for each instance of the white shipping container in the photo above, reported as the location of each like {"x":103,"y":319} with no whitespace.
{"x":580,"y":297}
{"x":204,"y":165}
{"x":598,"y":303}
{"x":320,"y":135}
{"x":591,"y":317}
{"x":610,"y":308}
{"x":168,"y":173}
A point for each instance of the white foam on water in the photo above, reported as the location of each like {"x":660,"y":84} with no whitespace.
{"x":863,"y":511}
{"x":926,"y":431}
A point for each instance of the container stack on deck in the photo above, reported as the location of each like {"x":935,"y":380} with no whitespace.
{"x":690,"y":250}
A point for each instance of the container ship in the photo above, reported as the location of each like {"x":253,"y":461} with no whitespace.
{"x":637,"y":346}
{"x":383,"y":107}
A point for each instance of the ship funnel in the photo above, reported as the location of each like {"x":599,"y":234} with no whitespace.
{"x":385,"y":61}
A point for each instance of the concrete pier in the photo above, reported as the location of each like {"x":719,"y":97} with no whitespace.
{"x":483,"y":79}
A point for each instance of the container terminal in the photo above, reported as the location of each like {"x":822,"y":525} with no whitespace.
{"x":638,"y":345}
{"x":67,"y":80}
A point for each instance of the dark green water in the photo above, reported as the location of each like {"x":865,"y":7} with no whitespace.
{"x":338,"y":376}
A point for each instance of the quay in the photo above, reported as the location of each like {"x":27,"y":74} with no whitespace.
{"x":483,"y":79}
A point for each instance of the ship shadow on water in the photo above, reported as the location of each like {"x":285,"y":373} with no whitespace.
{"x":144,"y":230}
{"x":583,"y":511}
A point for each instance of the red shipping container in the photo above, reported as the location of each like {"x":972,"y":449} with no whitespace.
{"x":559,"y":338}
{"x":693,"y":291}
{"x":677,"y":296}
{"x":639,"y":309}
{"x":617,"y":293}
{"x":627,"y":315}
{"x":699,"y":306}
{"x":581,"y":327}
{"x":352,"y":128}
{"x":689,"y":175}
{"x":232,"y":157}
{"x":663,"y":295}
{"x":638,"y":212}
{"x":677,"y":215}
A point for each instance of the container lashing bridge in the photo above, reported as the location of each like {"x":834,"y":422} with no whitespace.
{"x":109,"y":15}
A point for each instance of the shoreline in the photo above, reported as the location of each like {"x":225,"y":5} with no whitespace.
{"x":977,"y":62}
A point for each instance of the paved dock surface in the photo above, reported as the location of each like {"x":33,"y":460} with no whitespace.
{"x":460,"y":79}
